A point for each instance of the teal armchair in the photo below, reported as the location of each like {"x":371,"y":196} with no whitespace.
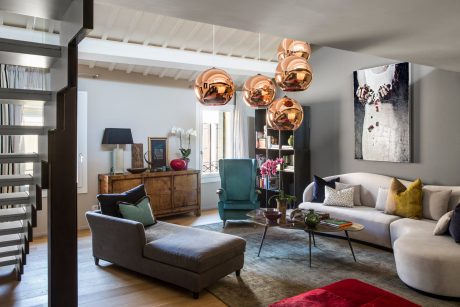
{"x":238,"y":194}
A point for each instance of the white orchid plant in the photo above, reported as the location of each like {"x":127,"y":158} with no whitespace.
{"x":180,"y":133}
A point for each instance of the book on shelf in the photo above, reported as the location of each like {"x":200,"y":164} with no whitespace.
{"x":289,"y":147}
{"x":337,"y":223}
{"x":274,"y":146}
{"x":262,"y":143}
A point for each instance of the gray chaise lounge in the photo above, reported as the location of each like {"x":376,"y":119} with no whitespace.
{"x":188,"y":257}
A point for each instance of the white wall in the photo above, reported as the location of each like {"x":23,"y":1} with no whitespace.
{"x":150,"y":106}
{"x":435,"y":119}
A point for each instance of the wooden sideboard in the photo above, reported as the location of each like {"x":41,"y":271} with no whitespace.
{"x":170,"y":193}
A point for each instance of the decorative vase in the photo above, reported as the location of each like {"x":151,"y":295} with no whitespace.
{"x":312,"y":219}
{"x":290,"y":140}
{"x":281,"y":205}
{"x":178,"y":164}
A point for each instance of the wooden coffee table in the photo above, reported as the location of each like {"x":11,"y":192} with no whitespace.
{"x":258,"y":217}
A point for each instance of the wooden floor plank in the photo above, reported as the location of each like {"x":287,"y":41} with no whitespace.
{"x":104,"y":285}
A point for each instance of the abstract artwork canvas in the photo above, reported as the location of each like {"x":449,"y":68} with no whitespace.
{"x":382,"y":110}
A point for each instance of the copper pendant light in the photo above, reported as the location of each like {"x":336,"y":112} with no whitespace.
{"x":285,"y":114}
{"x":214,"y":87}
{"x":291,"y":47}
{"x":258,"y":91}
{"x":293,"y":74}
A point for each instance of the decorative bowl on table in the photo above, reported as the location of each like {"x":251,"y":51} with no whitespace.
{"x":272,"y":215}
{"x":137,"y":170}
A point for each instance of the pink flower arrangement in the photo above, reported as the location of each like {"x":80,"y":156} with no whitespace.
{"x":269,"y":166}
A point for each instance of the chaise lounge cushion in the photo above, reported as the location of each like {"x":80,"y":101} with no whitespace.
{"x":193,"y":249}
{"x":376,"y":223}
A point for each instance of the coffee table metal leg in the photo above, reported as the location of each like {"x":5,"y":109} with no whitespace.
{"x":263,"y":238}
{"x":351,"y":247}
{"x":314,"y":241}
{"x":309,"y":245}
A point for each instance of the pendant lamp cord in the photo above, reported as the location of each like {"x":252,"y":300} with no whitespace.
{"x":213,"y":44}
{"x":258,"y":58}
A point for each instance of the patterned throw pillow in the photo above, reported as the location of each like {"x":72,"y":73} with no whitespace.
{"x":342,"y":198}
{"x":356,"y":191}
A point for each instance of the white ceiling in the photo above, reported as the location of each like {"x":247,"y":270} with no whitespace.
{"x":420,"y":31}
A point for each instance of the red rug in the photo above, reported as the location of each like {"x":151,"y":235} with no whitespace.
{"x":346,"y":293}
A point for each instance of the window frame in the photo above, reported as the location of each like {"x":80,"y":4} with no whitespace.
{"x":209,"y":177}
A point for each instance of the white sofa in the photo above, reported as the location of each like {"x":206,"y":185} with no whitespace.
{"x":423,"y":261}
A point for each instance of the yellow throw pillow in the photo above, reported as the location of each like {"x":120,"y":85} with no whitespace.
{"x":405,"y":202}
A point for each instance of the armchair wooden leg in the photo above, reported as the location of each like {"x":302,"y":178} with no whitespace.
{"x":196,"y":295}
{"x":96,"y":261}
{"x":223,"y":223}
{"x":238,"y":273}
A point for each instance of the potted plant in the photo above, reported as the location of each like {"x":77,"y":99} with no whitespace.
{"x":283,"y":200}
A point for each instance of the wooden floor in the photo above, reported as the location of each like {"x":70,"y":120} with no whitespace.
{"x":106,"y":285}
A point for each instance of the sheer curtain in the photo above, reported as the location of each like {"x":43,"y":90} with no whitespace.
{"x":18,"y":77}
{"x":240,"y":129}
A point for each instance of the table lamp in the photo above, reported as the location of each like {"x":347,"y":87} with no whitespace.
{"x":117,"y":136}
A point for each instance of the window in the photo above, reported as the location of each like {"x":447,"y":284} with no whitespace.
{"x":216,"y":138}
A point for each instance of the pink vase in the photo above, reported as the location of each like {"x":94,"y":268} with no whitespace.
{"x":178,"y":164}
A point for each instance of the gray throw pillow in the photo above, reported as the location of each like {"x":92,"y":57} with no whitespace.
{"x":356,"y":191}
{"x":443,"y":224}
{"x":435,"y":203}
{"x":382,"y":196}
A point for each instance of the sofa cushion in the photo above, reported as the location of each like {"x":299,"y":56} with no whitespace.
{"x":382,"y":196}
{"x":376,"y":223}
{"x":342,"y":198}
{"x":318,"y":188}
{"x":356,"y":191}
{"x":442,"y":226}
{"x":194,"y":249}
{"x":140,"y":211}
{"x":406,"y":226}
{"x":405,"y":202}
{"x":435,"y":203}
{"x":454,"y":226}
{"x":109,"y":202}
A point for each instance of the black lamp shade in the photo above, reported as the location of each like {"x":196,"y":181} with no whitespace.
{"x":117,"y":136}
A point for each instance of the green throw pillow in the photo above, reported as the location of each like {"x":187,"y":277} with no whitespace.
{"x":139,"y":212}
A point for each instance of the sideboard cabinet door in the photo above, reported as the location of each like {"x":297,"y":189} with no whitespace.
{"x":185,"y":190}
{"x":159,"y":191}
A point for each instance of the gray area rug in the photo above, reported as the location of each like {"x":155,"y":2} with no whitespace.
{"x":282,"y":269}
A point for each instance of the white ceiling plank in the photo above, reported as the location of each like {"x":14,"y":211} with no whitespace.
{"x":178,"y":74}
{"x":92,"y":49}
{"x":163,"y":73}
{"x":241,"y":42}
{"x":146,"y":71}
{"x":112,"y":66}
{"x":132,"y":25}
{"x":110,"y":21}
{"x":253,"y":46}
{"x":92,"y":64}
{"x":191,"y":34}
{"x":30,"y":23}
{"x":51,"y":26}
{"x":29,"y":35}
{"x":153,"y":28}
{"x":130,"y":68}
{"x":193,"y":76}
{"x":209,"y":39}
{"x":174,"y":30}
{"x":221,"y":42}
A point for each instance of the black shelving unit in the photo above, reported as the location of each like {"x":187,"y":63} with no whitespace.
{"x":292,"y":180}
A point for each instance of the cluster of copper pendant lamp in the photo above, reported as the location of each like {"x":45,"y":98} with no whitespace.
{"x":214,"y":87}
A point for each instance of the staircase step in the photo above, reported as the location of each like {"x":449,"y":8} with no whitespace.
{"x":15,"y":198}
{"x":9,"y":228}
{"x":9,"y":251}
{"x":25,"y":53}
{"x":11,"y":260}
{"x":21,"y":130}
{"x":15,"y":180}
{"x":10,"y":240}
{"x":13,"y":214}
{"x":19,"y":157}
{"x":23,"y":96}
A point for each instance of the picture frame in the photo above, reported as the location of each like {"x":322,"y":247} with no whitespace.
{"x":158,"y":152}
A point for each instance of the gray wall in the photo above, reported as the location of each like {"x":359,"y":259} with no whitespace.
{"x":436,"y":127}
